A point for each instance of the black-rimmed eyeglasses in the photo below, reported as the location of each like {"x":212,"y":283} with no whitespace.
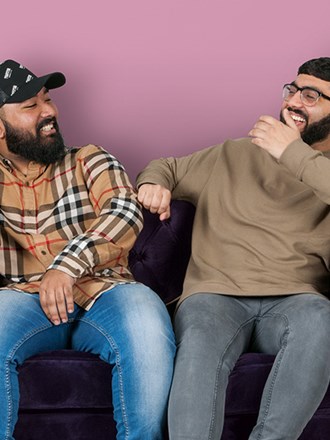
{"x":308,"y":95}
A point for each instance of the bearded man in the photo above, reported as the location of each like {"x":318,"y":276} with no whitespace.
{"x":68,"y":220}
{"x":259,"y":272}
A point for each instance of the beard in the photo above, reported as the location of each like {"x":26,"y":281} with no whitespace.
{"x":314,"y":132}
{"x":35,"y":148}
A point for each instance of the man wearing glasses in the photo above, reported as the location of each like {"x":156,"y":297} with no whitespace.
{"x":258,"y":276}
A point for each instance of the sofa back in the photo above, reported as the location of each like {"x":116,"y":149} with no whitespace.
{"x":161,"y":253}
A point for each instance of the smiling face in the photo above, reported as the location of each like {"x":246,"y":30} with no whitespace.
{"x":313,"y":121}
{"x":30,"y":131}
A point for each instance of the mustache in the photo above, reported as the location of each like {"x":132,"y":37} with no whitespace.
{"x":46,"y":122}
{"x":298,"y":112}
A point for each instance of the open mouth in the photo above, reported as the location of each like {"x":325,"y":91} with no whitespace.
{"x":48,"y":127}
{"x":298,"y":119}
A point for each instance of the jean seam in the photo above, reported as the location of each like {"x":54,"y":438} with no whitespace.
{"x":7,"y":370}
{"x":275,"y":373}
{"x":118,"y":365}
{"x":213,"y":415}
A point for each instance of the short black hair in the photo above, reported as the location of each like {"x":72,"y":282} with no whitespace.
{"x":318,"y":67}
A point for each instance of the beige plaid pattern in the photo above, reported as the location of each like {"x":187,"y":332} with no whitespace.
{"x":80,"y":216}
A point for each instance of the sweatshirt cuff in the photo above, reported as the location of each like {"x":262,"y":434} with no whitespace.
{"x":152,"y":180}
{"x":297,"y":155}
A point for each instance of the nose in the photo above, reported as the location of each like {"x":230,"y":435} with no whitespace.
{"x":48,"y":110}
{"x":295,"y":100}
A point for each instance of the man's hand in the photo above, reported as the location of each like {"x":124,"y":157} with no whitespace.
{"x":156,"y":198}
{"x":56,"y":296}
{"x":274,"y":136}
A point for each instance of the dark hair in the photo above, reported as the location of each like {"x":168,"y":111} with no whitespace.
{"x":318,"y":67}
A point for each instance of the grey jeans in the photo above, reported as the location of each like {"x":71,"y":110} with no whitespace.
{"x":214,"y":330}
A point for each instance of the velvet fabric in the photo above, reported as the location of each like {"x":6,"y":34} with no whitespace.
{"x":67,"y":395}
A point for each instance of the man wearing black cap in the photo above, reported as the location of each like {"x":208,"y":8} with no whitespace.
{"x":68,"y":220}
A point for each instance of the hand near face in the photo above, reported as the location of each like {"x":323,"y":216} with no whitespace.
{"x":274,"y":136}
{"x":56,"y":297}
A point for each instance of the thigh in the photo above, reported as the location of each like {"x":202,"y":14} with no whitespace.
{"x":24,"y":328}
{"x":129,"y":327}
{"x":212,"y":331}
{"x":210,"y":323}
{"x":129,"y":315}
{"x":296,"y":329}
{"x":302,"y":320}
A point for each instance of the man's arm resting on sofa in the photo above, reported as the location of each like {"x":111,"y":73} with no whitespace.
{"x":156,"y":199}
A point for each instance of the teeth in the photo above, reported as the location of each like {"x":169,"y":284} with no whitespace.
{"x":47,"y":127}
{"x":297,"y":118}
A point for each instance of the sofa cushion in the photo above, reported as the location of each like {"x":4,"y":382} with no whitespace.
{"x":244,"y":391}
{"x":65,"y":379}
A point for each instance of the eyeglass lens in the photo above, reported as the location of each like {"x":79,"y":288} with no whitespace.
{"x":308,"y":96}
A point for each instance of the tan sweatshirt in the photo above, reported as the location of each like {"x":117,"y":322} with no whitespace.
{"x":262,"y":226}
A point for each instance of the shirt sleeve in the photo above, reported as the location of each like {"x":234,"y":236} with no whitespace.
{"x":310,"y":166}
{"x":109,"y":238}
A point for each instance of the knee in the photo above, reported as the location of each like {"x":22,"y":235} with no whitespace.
{"x":146,"y":326}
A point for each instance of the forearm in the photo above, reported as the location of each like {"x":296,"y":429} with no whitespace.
{"x":183,"y":175}
{"x":107,"y":241}
{"x":112,"y":222}
{"x":159,"y":172}
{"x":309,"y":166}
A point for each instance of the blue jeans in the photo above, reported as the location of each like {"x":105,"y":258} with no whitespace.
{"x":214,"y":330}
{"x":128,"y":327}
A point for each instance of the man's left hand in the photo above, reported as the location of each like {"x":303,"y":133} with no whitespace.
{"x":274,"y":136}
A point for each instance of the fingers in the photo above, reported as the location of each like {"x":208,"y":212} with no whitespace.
{"x":56,"y":305}
{"x":263,"y":125}
{"x":273,"y":135}
{"x":156,"y":199}
{"x":288,"y":119}
{"x":56,"y":296}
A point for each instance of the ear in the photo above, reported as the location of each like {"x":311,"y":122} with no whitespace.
{"x":2,"y":130}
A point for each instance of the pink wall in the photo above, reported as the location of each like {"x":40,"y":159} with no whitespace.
{"x":150,"y":78}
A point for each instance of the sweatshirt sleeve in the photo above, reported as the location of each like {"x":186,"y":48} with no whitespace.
{"x":310,"y":166}
{"x":184,"y":176}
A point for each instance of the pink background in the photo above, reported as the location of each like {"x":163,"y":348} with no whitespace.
{"x":151,"y":78}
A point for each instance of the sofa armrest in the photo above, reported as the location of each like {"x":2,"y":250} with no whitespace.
{"x":161,"y":253}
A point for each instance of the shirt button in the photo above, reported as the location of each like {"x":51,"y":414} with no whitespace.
{"x":43,"y":252}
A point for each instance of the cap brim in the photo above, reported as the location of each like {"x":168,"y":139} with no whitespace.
{"x":30,"y":89}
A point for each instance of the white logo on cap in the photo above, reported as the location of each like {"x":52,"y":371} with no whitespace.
{"x":28,"y":79}
{"x":13,"y":90}
{"x":8,"y":73}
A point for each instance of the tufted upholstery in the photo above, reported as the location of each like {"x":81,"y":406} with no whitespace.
{"x":162,"y":250}
{"x":67,"y":395}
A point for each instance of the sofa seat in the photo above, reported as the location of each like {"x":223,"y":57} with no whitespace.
{"x":74,"y":402}
{"x":244,"y":392}
{"x":65,"y":395}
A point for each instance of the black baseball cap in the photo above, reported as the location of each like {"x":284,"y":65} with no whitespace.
{"x":17,"y":83}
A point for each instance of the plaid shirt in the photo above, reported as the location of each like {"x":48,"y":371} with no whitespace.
{"x":80,"y":216}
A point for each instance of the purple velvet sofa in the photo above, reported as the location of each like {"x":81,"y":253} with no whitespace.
{"x":67,"y":395}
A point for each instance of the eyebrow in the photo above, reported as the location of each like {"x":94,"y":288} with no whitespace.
{"x":306,"y":87}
